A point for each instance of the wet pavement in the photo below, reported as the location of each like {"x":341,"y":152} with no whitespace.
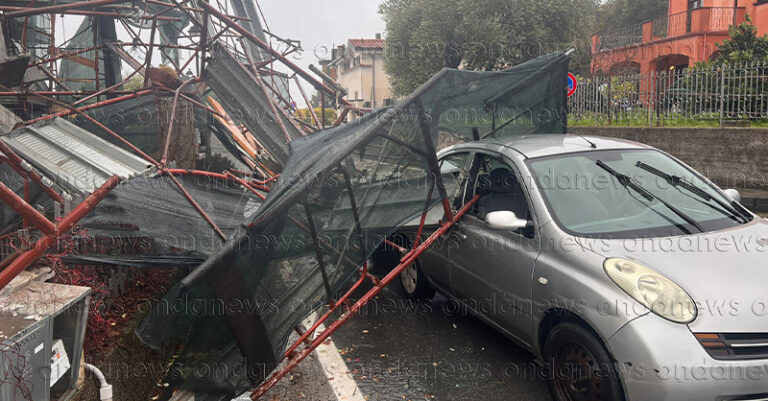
{"x":307,"y":382}
{"x":402,"y":349}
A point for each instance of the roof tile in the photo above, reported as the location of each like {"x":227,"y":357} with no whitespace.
{"x":367,"y":43}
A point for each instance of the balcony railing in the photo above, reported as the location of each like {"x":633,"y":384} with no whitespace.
{"x":707,"y":19}
{"x":622,"y":37}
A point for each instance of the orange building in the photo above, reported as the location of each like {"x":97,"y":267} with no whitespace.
{"x":686,"y":35}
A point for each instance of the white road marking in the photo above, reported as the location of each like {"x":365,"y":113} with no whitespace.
{"x":339,"y":378}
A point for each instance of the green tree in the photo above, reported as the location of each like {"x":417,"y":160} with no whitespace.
{"x":620,"y":13}
{"x":424,"y":36}
{"x":733,"y":59}
{"x":743,"y":46}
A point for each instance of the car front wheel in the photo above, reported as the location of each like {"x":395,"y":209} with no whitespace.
{"x":581,"y":369}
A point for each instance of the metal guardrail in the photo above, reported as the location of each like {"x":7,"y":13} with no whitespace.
{"x":712,"y":95}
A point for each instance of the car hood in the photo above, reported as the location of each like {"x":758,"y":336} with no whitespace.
{"x":725,"y":272}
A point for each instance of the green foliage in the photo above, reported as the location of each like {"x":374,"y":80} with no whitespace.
{"x":743,"y":46}
{"x":621,"y":89}
{"x":136,"y":83}
{"x":741,"y":59}
{"x":635,"y":118}
{"x":306,"y":116}
{"x":620,"y":13}
{"x":424,"y":36}
{"x":639,"y":118}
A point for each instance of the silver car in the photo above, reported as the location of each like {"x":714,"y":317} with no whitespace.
{"x":628,"y":275}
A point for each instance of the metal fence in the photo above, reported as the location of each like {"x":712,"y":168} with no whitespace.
{"x":704,"y":19}
{"x":697,"y":96}
{"x":621,"y":37}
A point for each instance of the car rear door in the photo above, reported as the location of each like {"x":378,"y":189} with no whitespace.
{"x":491,"y":271}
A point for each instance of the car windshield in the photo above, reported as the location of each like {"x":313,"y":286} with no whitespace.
{"x":628,"y":194}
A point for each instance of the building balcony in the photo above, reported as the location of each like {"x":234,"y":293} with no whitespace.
{"x":700,"y":21}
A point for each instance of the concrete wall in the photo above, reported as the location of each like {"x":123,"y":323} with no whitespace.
{"x":383,"y":86}
{"x":731,"y":157}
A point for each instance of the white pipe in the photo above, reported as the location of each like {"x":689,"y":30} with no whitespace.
{"x":105,"y":392}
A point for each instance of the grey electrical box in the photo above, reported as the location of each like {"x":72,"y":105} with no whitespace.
{"x":31,"y":319}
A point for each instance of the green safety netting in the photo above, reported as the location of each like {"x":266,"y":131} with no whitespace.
{"x":77,"y":73}
{"x":341,"y":193}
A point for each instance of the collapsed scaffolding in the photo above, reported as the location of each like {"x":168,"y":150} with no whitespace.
{"x":84,"y":77}
{"x":288,"y":230}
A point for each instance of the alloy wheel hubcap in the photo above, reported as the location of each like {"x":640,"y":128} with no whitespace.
{"x":409,"y":277}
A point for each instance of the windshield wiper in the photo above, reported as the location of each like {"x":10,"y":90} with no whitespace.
{"x":627,"y":182}
{"x":676,"y":181}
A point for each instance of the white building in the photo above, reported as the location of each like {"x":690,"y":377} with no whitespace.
{"x":358,"y":67}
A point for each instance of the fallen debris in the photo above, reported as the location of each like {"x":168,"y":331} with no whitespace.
{"x":324,"y":217}
{"x":127,"y":158}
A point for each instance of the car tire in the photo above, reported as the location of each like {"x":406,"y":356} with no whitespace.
{"x":412,"y":279}
{"x":414,"y":282}
{"x":580,"y":367}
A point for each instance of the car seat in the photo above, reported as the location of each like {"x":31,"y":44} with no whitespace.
{"x":500,"y":190}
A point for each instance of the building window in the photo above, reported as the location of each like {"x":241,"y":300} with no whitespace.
{"x":694,"y":4}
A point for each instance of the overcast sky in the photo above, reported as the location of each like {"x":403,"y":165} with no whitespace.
{"x":320,"y":25}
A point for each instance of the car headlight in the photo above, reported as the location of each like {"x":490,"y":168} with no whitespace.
{"x":647,"y":286}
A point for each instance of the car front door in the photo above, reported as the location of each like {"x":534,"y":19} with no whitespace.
{"x":454,"y":169}
{"x":491,"y":271}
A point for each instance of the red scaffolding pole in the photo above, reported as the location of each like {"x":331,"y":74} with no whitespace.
{"x":18,"y":165}
{"x":60,"y":8}
{"x":66,"y":224}
{"x":293,"y":356}
{"x":25,"y":210}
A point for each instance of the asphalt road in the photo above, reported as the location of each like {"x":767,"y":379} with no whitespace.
{"x":399,"y":349}
{"x":402,"y":349}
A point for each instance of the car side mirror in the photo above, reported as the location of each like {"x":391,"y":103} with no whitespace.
{"x":732,"y":195}
{"x":504,"y":220}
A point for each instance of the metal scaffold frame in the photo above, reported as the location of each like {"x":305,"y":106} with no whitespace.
{"x":214,"y":25}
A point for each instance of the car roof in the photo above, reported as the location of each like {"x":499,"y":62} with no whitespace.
{"x":539,"y":145}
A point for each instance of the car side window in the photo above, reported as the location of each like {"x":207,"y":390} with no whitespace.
{"x":498,"y":187}
{"x":454,"y":170}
